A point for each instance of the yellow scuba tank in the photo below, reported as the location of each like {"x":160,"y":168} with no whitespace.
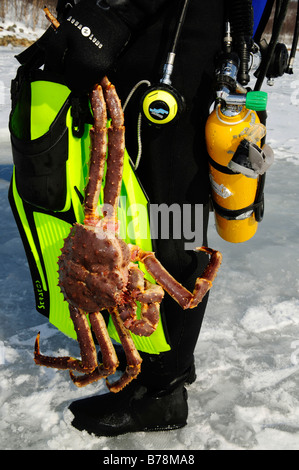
{"x":237,"y":163}
{"x":232,"y":192}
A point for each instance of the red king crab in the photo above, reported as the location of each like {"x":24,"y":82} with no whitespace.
{"x":98,"y":270}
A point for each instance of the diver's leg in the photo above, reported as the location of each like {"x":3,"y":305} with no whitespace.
{"x":173,"y":170}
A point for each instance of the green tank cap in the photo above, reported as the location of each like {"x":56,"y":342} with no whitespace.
{"x":256,"y":100}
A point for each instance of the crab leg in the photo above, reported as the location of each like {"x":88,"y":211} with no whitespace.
{"x":179,"y":293}
{"x":98,"y":138}
{"x":116,"y":148}
{"x":133,"y":358}
{"x":110,"y":360}
{"x":51,"y":18}
{"x":150,"y":295}
{"x":86,"y":343}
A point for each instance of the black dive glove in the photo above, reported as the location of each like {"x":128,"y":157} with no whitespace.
{"x":86,"y":44}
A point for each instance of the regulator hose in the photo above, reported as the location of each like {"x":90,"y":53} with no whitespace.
{"x":241,"y":20}
{"x":280,"y":14}
{"x":294,"y":43}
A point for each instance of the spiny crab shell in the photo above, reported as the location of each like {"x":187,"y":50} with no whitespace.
{"x":93,"y":268}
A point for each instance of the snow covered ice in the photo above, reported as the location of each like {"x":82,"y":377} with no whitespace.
{"x":246,"y":396}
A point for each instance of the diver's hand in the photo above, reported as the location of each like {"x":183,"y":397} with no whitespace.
{"x":86,"y":44}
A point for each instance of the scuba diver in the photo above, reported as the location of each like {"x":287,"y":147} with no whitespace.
{"x":170,"y":50}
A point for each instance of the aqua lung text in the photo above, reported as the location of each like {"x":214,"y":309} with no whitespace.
{"x":85,"y":31}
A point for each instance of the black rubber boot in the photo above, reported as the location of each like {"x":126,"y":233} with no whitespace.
{"x":155,"y":401}
{"x":134,"y":409}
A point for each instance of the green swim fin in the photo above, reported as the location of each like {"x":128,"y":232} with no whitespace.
{"x":50,"y":144}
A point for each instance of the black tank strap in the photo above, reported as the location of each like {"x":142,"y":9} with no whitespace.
{"x":221,"y":168}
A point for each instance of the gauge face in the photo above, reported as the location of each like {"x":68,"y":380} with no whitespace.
{"x":159,"y":110}
{"x":160,"y":106}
